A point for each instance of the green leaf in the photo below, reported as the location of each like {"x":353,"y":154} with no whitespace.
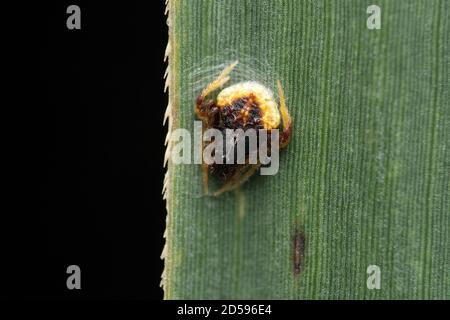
{"x":365,"y":178}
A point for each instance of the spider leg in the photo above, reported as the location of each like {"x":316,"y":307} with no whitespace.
{"x":205,"y":178}
{"x":202,"y":105}
{"x":285,"y":118}
{"x":238,"y":178}
{"x":219,"y":81}
{"x":201,"y":109}
{"x":204,"y":165}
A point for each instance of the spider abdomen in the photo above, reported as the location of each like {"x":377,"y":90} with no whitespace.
{"x":248,"y":105}
{"x":243,"y":113}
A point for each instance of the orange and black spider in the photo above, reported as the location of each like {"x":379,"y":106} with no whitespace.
{"x":243,"y":105}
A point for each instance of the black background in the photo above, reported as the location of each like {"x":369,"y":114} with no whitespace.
{"x":97,"y":152}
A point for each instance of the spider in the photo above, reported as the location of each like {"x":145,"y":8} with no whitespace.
{"x":243,"y":105}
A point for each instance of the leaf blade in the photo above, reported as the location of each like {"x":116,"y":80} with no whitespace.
{"x":365,"y":176}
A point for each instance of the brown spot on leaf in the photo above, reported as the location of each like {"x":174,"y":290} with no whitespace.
{"x":298,"y":250}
